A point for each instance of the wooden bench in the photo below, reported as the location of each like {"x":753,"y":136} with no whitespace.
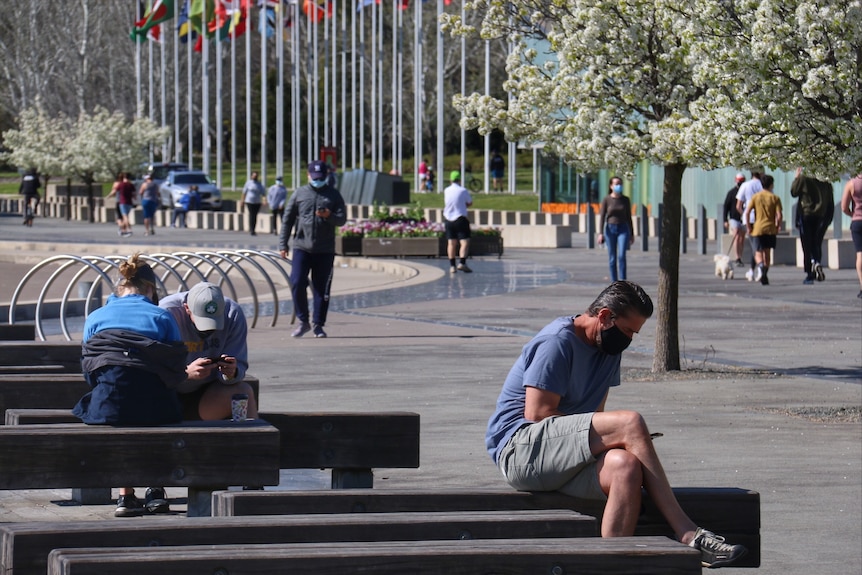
{"x":24,"y":546}
{"x":351,"y":445}
{"x":32,"y":353}
{"x":203,"y":456}
{"x":731,"y":512}
{"x":585,"y":556}
{"x":56,"y":390}
{"x":17,"y":332}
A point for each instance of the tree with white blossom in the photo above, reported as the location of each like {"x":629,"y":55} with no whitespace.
{"x":795,"y":69}
{"x":39,"y":142}
{"x":604,"y":84}
{"x":610,"y":83}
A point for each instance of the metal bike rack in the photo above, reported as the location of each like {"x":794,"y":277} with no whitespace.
{"x":171,"y":268}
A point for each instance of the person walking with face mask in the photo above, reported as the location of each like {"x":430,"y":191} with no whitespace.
{"x":616,"y":228}
{"x":550,"y":430}
{"x":311,"y":216}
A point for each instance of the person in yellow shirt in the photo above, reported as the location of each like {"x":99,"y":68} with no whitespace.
{"x":767,"y":221}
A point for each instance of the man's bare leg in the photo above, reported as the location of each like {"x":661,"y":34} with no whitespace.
{"x":626,"y":430}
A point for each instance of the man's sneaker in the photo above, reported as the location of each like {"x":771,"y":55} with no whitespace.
{"x":749,"y":275}
{"x":808,"y":281}
{"x":155,"y":501}
{"x":318,"y":331}
{"x":714,"y":552}
{"x":818,"y":272}
{"x":758,"y":272}
{"x":453,"y":270}
{"x":129,"y":506}
{"x":303,"y":329}
{"x":739,"y":263}
{"x":464,"y":268}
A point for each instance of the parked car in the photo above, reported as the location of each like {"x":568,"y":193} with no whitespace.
{"x":159,"y":171}
{"x":177,"y":183}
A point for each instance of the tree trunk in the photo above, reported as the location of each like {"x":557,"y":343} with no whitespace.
{"x":666,"y":356}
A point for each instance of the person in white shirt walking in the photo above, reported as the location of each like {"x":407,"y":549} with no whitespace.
{"x":457,"y":199}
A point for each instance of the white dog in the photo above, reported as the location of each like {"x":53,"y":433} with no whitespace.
{"x":723,"y":267}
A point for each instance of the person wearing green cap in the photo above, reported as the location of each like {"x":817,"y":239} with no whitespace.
{"x":457,"y":199}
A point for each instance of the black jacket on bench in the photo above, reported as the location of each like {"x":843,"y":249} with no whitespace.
{"x":132,"y":377}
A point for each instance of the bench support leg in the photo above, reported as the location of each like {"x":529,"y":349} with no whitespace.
{"x":201,"y":501}
{"x":352,"y":479}
{"x":92,"y":495}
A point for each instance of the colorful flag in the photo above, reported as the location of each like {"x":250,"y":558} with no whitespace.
{"x":184,"y":26}
{"x":160,"y":11}
{"x":317,"y":10}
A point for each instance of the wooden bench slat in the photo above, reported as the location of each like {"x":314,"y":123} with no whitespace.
{"x":731,"y":512}
{"x":24,"y":547}
{"x":42,"y":352}
{"x":56,"y":390}
{"x":18,"y":332}
{"x":190,"y":454}
{"x":327,"y":440}
{"x":588,"y":556}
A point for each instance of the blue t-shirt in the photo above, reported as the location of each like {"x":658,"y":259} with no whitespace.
{"x":556,"y":360}
{"x":136,"y":313}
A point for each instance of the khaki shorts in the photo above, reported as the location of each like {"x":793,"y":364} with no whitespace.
{"x":553,"y":455}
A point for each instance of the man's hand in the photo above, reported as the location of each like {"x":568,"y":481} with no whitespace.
{"x":284,"y":253}
{"x":323,"y":213}
{"x":226,"y":366}
{"x":200,"y":368}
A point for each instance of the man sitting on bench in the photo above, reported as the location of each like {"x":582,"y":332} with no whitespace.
{"x":550,"y":431}
{"x":214,"y":330}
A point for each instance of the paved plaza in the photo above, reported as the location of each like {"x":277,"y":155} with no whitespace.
{"x":770,"y":372}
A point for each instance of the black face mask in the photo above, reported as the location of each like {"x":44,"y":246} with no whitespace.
{"x":204,"y":334}
{"x":612,"y":341}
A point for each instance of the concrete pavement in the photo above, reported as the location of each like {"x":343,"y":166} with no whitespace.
{"x":755,"y":357}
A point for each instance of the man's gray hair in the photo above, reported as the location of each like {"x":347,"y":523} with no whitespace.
{"x":622,"y":298}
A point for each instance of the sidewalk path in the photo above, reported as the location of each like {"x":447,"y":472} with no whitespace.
{"x":756,"y":357}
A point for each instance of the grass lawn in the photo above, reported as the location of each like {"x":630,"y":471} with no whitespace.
{"x":522,"y":201}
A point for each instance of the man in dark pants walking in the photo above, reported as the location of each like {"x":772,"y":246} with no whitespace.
{"x":312,"y":214}
{"x":814,"y":212}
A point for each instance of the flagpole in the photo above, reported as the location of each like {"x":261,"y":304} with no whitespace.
{"x":334,"y":88}
{"x":163,"y":74}
{"x":139,"y":95}
{"x":235,"y":6}
{"x":362,"y":88}
{"x":296,"y":128}
{"x":177,"y":140}
{"x":219,"y":111}
{"x":353,"y":139}
{"x":394,"y":120}
{"x":326,"y":47}
{"x":264,"y":69}
{"x":189,"y":96}
{"x":345,"y":8}
{"x":205,"y":99}
{"x":487,"y":136}
{"x":440,"y":96}
{"x":279,"y":92}
{"x":463,"y":88}
{"x":310,"y":89}
{"x":375,"y":97}
{"x":150,"y":88}
{"x":417,"y":92}
{"x":248,"y":108}
{"x":382,"y":88}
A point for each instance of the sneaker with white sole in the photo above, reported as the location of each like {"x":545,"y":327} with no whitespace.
{"x":129,"y":506}
{"x":818,"y":272}
{"x":749,"y":275}
{"x":303,"y":329}
{"x":464,"y":268}
{"x":714,"y":552}
{"x":453,"y":270}
{"x":155,"y":501}
{"x":758,"y":272}
{"x":318,"y":331}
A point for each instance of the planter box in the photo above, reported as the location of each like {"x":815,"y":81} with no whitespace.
{"x":486,"y":246}
{"x":400,"y":247}
{"x":348,"y":246}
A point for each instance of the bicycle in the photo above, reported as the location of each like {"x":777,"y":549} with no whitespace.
{"x":472,"y":183}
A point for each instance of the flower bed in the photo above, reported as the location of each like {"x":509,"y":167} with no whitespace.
{"x":405,"y":234}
